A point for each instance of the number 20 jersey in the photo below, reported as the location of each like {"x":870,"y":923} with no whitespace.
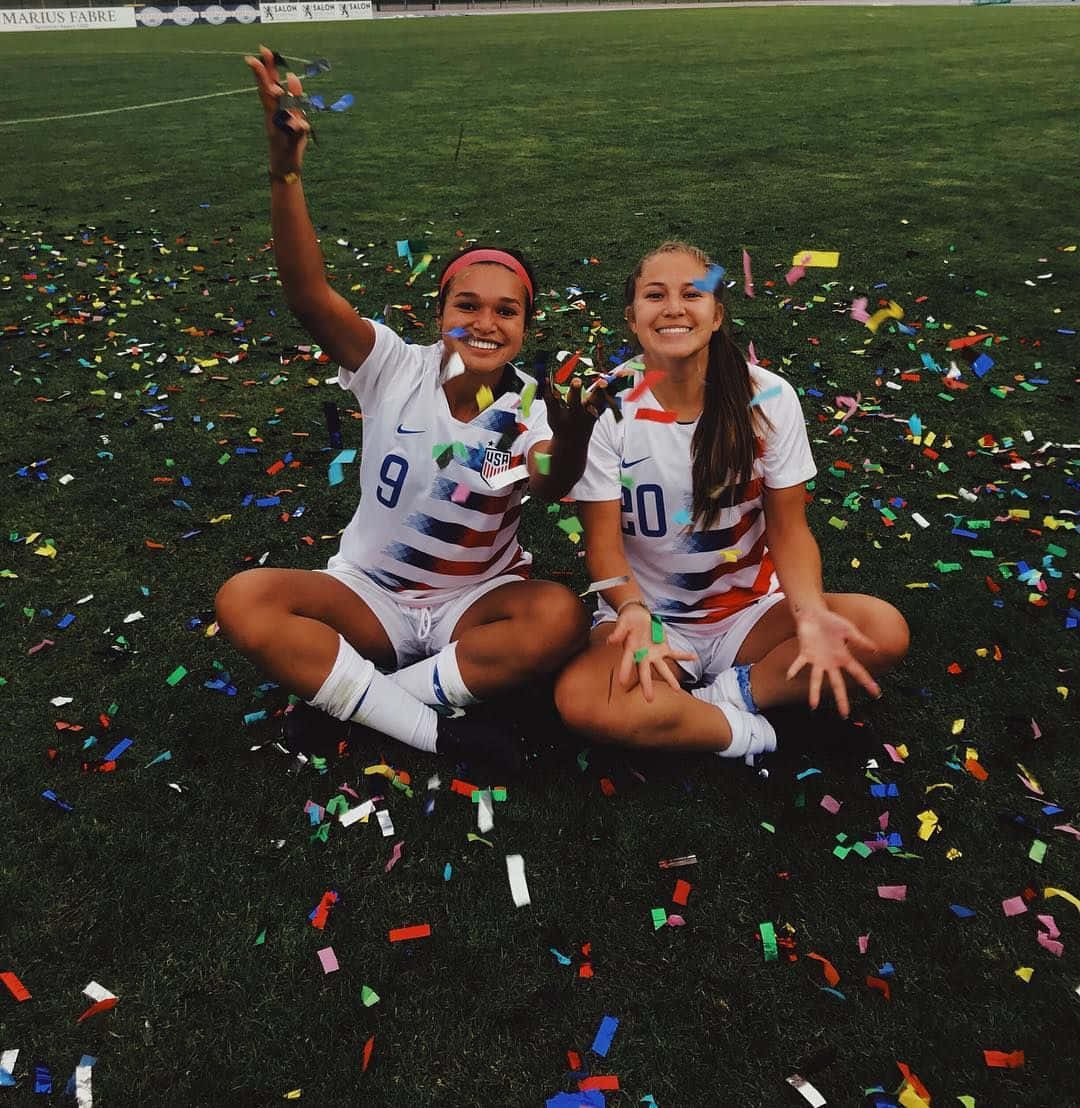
{"x":690,"y":576}
{"x":423,"y":532}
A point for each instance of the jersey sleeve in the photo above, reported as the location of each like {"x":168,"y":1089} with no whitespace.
{"x":788,"y":459}
{"x":600,"y":481}
{"x":391,"y":360}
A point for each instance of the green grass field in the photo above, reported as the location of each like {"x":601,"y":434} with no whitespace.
{"x":935,"y":149}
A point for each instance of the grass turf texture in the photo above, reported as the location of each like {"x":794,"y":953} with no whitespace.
{"x":777,"y":130}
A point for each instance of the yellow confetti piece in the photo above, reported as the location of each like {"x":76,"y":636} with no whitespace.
{"x":382,"y":769}
{"x":294,"y":1095}
{"x":855,"y":563}
{"x":1024,"y":973}
{"x":928,"y":824}
{"x":484,"y":398}
{"x":971,"y":754}
{"x":957,"y":726}
{"x":823,"y":259}
{"x":222,"y":519}
{"x":46,"y":551}
{"x":1030,"y":776}
{"x":909,"y":1098}
{"x":902,"y":750}
{"x":952,"y":854}
{"x":1049,"y":892}
{"x":1061,"y":688}
{"x":730,"y":555}
{"x":893,"y":311}
{"x":939,"y":785}
{"x":212,"y":630}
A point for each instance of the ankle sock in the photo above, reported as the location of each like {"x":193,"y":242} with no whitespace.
{"x":355,"y":690}
{"x":436,"y":680}
{"x":750,"y":734}
{"x":731,"y":687}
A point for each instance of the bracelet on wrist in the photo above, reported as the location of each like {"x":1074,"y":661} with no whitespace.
{"x":627,"y":603}
{"x":285,"y":178}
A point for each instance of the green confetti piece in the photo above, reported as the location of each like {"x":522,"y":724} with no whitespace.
{"x":260,"y":939}
{"x":543,"y":463}
{"x":474,"y":838}
{"x":981,"y":553}
{"x":839,"y":524}
{"x":368,"y":996}
{"x":583,"y":761}
{"x":527,"y":394}
{"x":337,"y":804}
{"x":947,"y":567}
{"x":223,"y":459}
{"x":841,"y":851}
{"x":460,"y":451}
{"x":322,"y":834}
{"x":499,"y":794}
{"x":979,"y":292}
{"x":862,"y":850}
{"x":841,"y":837}
{"x":176,"y":676}
{"x":641,"y":655}
{"x":659,"y":918}
{"x":438,"y":448}
{"x":768,"y":827}
{"x":768,"y":941}
{"x":657,"y":631}
{"x":1027,"y":386}
{"x":571,"y":526}
{"x":553,"y":509}
{"x":1057,"y":551}
{"x":1038,"y":851}
{"x":318,"y":763}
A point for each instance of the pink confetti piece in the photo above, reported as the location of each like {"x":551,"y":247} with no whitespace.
{"x":460,"y":494}
{"x":1050,"y":925}
{"x":795,"y":273}
{"x":351,"y":791}
{"x":328,"y":959}
{"x":1036,"y":733}
{"x":891,"y":751}
{"x":892,"y":892}
{"x":1014,"y":906}
{"x":864,"y":943}
{"x":1067,"y":828}
{"x":676,"y":921}
{"x":1055,"y":948}
{"x":830,"y":804}
{"x":748,"y":277}
{"x":395,"y":855}
{"x":883,"y":820}
{"x":858,"y":309}
{"x":40,"y":645}
{"x":753,"y":358}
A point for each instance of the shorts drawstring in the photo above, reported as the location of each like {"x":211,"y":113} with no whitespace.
{"x":423,"y":625}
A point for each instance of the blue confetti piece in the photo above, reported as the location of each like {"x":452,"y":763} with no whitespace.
{"x":346,"y":101}
{"x":164,"y":756}
{"x":42,"y":1079}
{"x":448,"y":872}
{"x":884,"y":790}
{"x":67,"y":621}
{"x":318,"y":102}
{"x":982,"y":365}
{"x":456,"y":333}
{"x":711,"y":281}
{"x":117,"y":750}
{"x":562,"y":958}
{"x":768,"y":394}
{"x":887,"y":970}
{"x":835,"y":992}
{"x":6,"y":1080}
{"x":608,"y":1026}
{"x":806,"y":773}
{"x":591,"y":1098}
{"x":960,"y":911}
{"x":682,"y":517}
{"x":254,"y":717}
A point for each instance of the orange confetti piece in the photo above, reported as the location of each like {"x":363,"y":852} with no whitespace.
{"x":101,"y":1006}
{"x":913,"y":1081}
{"x":880,"y":985}
{"x":17,"y":989}
{"x":418,"y":931}
{"x":1000,"y":1060}
{"x":646,"y":383}
{"x":682,"y":891}
{"x":567,"y":368}
{"x":656,"y":415}
{"x":369,"y":1046}
{"x":975,"y":769}
{"x":831,"y":976}
{"x":462,"y":787}
{"x":599,"y":1081}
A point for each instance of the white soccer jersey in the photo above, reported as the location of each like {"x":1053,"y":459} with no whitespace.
{"x":422,"y":531}
{"x":688,"y":575}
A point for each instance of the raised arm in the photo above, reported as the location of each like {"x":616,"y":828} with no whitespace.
{"x":328,"y":317}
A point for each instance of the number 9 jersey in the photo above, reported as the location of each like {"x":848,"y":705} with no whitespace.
{"x":688,"y":575}
{"x":429,"y":525}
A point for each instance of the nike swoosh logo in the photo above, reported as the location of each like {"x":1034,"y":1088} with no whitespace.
{"x":627,"y":465}
{"x":403,"y":430}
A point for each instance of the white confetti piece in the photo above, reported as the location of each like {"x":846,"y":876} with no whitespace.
{"x":919,"y":520}
{"x":508,"y":477}
{"x":131,"y":617}
{"x":515,"y":870}
{"x":806,"y":1091}
{"x":485,"y":812}
{"x":361,"y":811}
{"x":386,"y":824}
{"x":607,"y":583}
{"x":60,"y":701}
{"x":98,"y":993}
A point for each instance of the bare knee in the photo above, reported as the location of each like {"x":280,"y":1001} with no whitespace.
{"x":239,"y":605}
{"x":891,"y":635}
{"x":576,"y":695}
{"x":558,"y":624}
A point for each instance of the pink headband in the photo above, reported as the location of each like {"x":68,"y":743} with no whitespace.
{"x":498,"y":256}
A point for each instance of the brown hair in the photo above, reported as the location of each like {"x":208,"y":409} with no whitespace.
{"x":725,"y":442}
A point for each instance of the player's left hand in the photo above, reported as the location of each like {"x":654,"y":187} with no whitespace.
{"x":823,"y":646}
{"x":573,"y":419}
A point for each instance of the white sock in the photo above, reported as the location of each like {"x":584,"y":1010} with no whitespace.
{"x":436,"y":680}
{"x":750,"y":734}
{"x":726,"y":689}
{"x":355,"y":690}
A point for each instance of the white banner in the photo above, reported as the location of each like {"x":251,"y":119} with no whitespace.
{"x":65,"y":19}
{"x":316,"y":13}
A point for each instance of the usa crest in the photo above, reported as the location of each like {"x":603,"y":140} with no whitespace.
{"x":496,"y":461}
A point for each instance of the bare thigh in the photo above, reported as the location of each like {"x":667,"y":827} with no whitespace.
{"x":250,"y":603}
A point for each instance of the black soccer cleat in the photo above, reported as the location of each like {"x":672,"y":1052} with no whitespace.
{"x":469,"y":740}
{"x":310,"y":731}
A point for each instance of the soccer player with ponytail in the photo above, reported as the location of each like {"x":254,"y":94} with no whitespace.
{"x":695,"y":503}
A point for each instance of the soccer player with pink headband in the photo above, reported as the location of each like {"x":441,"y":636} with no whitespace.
{"x":427,"y":603}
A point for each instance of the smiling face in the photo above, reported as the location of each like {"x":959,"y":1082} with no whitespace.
{"x":487,"y":301}
{"x":672,"y":319}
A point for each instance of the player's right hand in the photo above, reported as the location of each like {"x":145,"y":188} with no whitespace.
{"x":287,"y":129}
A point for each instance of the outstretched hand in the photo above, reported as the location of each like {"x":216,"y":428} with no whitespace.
{"x":287,"y":129}
{"x":573,"y":419}
{"x":633,"y":629}
{"x":823,"y":646}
